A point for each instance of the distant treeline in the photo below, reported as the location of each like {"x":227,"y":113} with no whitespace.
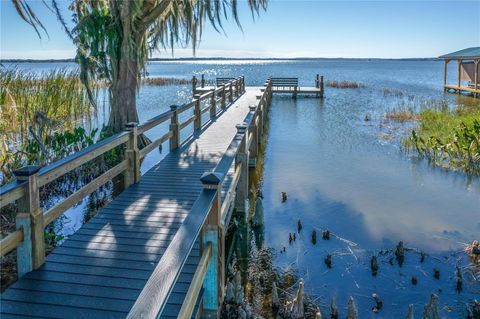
{"x":226,"y":59}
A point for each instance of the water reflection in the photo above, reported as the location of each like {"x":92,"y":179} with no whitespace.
{"x":370,"y":196}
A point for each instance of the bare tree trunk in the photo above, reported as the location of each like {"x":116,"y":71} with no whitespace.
{"x":123,"y":91}
{"x":123,"y":97}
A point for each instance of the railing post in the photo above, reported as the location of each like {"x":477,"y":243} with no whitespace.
{"x":317,"y":81}
{"x":203,"y":81}
{"x":132,"y":154}
{"x":260,"y":111}
{"x":197,"y":123}
{"x":223,"y":97}
{"x":194,"y":85}
{"x":24,"y":250}
{"x":230,"y":96}
{"x":213,"y":232}
{"x":321,"y":86}
{"x":243,"y":83}
{"x":241,"y":160}
{"x":175,"y":129}
{"x":253,"y":151}
{"x":30,"y":204}
{"x":213,"y":105}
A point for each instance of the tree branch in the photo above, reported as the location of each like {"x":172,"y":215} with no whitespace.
{"x":155,"y":13}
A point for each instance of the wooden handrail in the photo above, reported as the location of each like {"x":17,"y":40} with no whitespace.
{"x":154,"y":296}
{"x":157,"y":120}
{"x":59,"y":168}
{"x":12,"y":191}
{"x":10,"y":242}
{"x":196,"y":285}
{"x":57,"y":210}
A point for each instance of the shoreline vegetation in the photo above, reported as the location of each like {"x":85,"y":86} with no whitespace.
{"x":445,"y":137}
{"x":38,"y":114}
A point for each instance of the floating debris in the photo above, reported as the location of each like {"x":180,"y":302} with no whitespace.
{"x":378,"y":303}
{"x":314,"y":237}
{"x":367,"y":117}
{"x":284,"y":197}
{"x":333,"y":309}
{"x":294,"y":237}
{"x":459,"y":280}
{"x":290,"y":238}
{"x":436,"y":273}
{"x":430,"y":311}
{"x":328,"y":261}
{"x":352,"y":312}
{"x":410,"y":312}
{"x":326,"y":234}
{"x":414,"y":280}
{"x":374,"y":265}
{"x":284,"y":249}
{"x":400,"y":253}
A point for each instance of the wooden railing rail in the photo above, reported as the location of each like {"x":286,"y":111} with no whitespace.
{"x":28,"y":238}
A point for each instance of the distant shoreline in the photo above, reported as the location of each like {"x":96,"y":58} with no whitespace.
{"x":225,"y":59}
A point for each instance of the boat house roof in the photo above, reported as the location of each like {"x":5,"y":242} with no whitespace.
{"x":469,"y":53}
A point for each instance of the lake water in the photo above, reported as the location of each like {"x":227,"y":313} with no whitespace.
{"x":350,"y":176}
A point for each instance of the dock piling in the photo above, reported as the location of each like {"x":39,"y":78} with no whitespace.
{"x":174,"y":128}
{"x":197,"y":124}
{"x":30,"y":204}
{"x":132,"y":173}
{"x":241,"y":162}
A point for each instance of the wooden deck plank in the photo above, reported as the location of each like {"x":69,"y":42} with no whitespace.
{"x":100,"y":270}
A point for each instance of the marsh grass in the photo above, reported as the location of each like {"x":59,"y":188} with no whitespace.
{"x":165,"y":81}
{"x":44,"y":105}
{"x":448,"y":138}
{"x":346,"y":84}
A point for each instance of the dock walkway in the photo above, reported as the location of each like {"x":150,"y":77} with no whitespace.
{"x":100,"y":271}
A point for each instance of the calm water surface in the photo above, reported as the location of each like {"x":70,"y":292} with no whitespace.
{"x":342,"y":173}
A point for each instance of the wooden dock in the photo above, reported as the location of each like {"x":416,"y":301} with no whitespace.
{"x":158,"y":249}
{"x":279,"y":85}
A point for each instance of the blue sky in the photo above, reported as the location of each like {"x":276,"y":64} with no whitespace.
{"x":363,"y":29}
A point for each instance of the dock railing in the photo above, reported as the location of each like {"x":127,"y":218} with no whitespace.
{"x":24,"y":191}
{"x":207,"y":222}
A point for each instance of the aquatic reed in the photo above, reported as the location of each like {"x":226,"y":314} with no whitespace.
{"x":346,"y":84}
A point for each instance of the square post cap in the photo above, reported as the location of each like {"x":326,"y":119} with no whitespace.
{"x":211,"y":178}
{"x":253,"y":107}
{"x":131,"y":125}
{"x":27,"y":171}
{"x":241,"y":128}
{"x":196,"y":96}
{"x":173,"y":107}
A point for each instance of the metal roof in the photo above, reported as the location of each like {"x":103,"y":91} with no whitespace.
{"x":463,"y":54}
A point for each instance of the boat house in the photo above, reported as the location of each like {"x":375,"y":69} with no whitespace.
{"x":468,"y":71}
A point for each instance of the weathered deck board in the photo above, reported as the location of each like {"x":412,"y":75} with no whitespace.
{"x":100,"y":270}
